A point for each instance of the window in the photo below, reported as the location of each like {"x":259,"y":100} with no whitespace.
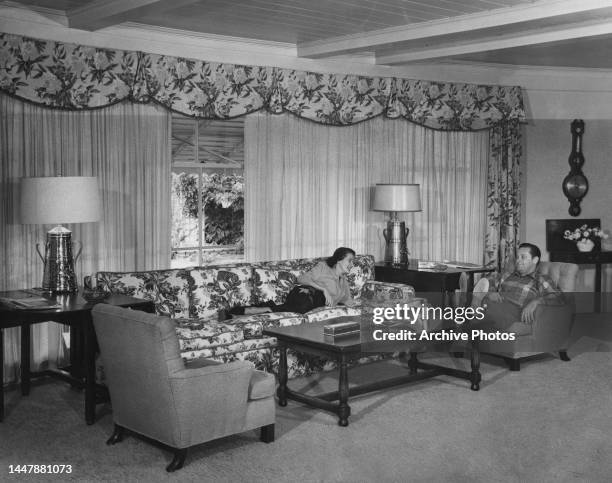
{"x":207,"y":191}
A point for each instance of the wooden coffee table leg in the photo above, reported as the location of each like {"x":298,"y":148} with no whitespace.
{"x":475,"y":376}
{"x":282,"y":375}
{"x":344,"y":410}
{"x":412,"y":363}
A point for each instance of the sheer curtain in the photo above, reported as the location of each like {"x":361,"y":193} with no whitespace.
{"x":307,"y":188}
{"x":128,"y":147}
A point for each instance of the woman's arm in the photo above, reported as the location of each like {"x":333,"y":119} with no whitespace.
{"x":309,"y":278}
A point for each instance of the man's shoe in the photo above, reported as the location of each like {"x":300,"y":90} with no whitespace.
{"x":481,"y":290}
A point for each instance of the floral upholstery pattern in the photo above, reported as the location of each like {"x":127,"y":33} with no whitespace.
{"x":273,"y":285}
{"x":219,"y":288}
{"x":253,"y":325}
{"x":374,"y":292}
{"x":274,"y":280}
{"x":194,"y":298}
{"x":195,"y":335}
{"x":326,"y":313}
{"x":168,"y":289}
{"x":70,"y":76}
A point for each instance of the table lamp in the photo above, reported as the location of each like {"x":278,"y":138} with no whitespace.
{"x":58,"y":200}
{"x":395,"y":198}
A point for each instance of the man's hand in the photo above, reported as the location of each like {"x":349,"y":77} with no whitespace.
{"x":528,"y":314}
{"x":494,"y":297}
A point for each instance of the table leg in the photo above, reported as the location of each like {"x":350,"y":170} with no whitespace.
{"x":475,"y":376}
{"x":282,"y":375}
{"x":90,"y":369}
{"x":25,"y":359}
{"x":344,"y":410}
{"x":1,"y":375}
{"x":412,"y":363}
{"x":598,"y":287}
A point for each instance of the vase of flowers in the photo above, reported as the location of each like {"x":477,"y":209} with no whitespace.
{"x":584,"y":237}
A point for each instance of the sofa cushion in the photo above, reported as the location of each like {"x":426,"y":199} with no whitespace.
{"x":273,"y":284}
{"x":253,"y":325}
{"x":168,"y":289}
{"x":261,"y":385}
{"x":230,"y":352}
{"x":219,"y":288}
{"x":326,"y":313}
{"x":195,"y":335}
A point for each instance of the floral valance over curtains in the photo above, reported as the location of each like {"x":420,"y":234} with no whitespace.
{"x":69,"y":76}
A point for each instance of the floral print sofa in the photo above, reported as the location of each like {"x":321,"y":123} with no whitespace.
{"x":197,"y":299}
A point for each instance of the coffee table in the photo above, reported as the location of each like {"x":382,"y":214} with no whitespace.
{"x":309,"y":338}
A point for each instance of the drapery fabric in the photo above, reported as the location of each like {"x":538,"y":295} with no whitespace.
{"x":69,"y":76}
{"x":128,"y":148}
{"x":503,"y":194}
{"x":309,"y":187}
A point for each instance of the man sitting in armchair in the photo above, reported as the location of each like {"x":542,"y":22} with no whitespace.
{"x":516,"y":294}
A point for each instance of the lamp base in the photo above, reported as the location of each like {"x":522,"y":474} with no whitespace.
{"x":58,"y":274}
{"x":396,"y":250}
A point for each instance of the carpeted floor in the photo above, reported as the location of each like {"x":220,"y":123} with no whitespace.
{"x":549,"y":422}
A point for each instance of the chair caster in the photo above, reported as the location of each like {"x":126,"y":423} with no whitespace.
{"x":475,"y":387}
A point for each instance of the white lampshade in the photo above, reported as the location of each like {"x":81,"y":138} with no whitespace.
{"x":397,"y":197}
{"x":57,"y":200}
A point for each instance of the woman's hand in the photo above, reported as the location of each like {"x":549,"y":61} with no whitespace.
{"x":350,"y":302}
{"x":329,"y":301}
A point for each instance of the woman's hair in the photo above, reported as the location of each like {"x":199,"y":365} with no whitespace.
{"x":339,"y":254}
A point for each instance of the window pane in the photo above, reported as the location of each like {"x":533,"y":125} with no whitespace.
{"x":184,"y":210}
{"x":183,"y":139}
{"x":182,"y":259}
{"x":223,"y":201}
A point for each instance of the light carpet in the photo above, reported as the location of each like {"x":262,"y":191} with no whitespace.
{"x":549,"y":422}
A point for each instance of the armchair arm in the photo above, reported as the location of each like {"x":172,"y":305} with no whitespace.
{"x":210,"y":401}
{"x":552,"y":326}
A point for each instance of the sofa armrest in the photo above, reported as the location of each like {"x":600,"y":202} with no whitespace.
{"x":210,"y":401}
{"x":384,"y":292}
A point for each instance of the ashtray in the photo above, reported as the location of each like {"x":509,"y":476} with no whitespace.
{"x":95,"y":295}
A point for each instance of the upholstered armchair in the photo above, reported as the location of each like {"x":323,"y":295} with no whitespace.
{"x":155,"y":394}
{"x":551,"y":328}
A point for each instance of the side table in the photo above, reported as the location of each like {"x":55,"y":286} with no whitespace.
{"x":75,"y":312}
{"x":422,"y":280}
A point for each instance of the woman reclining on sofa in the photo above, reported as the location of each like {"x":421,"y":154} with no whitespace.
{"x":323,"y":284}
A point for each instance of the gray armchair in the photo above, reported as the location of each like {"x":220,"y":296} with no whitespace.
{"x":155,"y":394}
{"x":550,"y":331}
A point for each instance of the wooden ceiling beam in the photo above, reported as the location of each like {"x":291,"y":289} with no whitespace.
{"x":485,"y":44}
{"x":383,"y":38}
{"x":104,"y":13}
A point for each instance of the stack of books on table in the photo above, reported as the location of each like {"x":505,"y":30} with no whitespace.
{"x":341,"y":329}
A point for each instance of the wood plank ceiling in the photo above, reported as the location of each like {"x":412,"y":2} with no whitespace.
{"x":393,"y":32}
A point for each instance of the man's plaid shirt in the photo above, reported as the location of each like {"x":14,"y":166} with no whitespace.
{"x":522,"y":289}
